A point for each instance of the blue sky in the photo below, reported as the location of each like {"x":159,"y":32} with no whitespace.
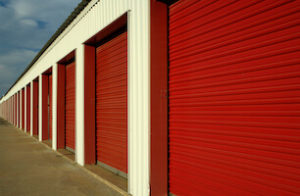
{"x":25,"y":26}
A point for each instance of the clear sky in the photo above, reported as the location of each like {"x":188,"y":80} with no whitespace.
{"x":25,"y":26}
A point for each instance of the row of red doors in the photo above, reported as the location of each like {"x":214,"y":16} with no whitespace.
{"x":69,"y":102}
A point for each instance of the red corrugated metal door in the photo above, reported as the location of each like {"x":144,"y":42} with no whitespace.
{"x":234,"y":98}
{"x":50,"y":107}
{"x":28,"y":108}
{"x":111,"y":102}
{"x":70,"y":106}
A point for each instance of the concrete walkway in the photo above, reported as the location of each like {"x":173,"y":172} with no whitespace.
{"x":28,"y":167}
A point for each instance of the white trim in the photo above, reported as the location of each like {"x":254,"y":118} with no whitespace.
{"x":79,"y":105}
{"x":54,"y":107}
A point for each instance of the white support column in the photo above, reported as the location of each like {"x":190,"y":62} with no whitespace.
{"x":79,"y":114}
{"x":139,"y":98}
{"x":54,"y":107}
{"x":25,"y":109}
{"x":40,"y":108}
{"x":31,"y":108}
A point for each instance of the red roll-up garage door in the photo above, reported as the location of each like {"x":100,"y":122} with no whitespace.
{"x":28,"y":108}
{"x":234,"y":104}
{"x":70,"y":106}
{"x":111,"y":102}
{"x":50,"y":107}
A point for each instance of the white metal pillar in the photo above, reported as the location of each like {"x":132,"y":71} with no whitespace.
{"x":54,"y":107}
{"x":139,"y":98}
{"x":79,"y":113}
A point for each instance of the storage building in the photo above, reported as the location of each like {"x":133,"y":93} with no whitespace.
{"x":182,"y":97}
